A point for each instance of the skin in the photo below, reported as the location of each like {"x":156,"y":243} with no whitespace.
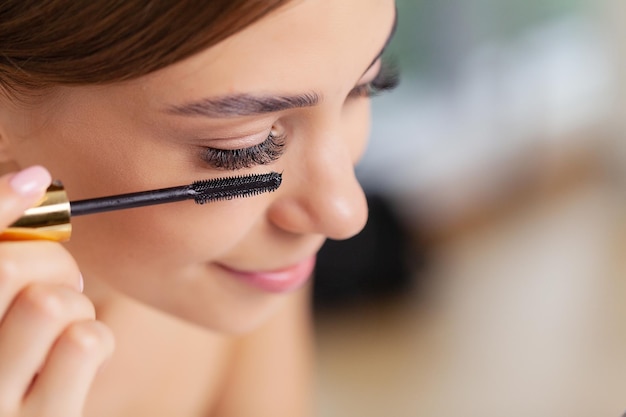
{"x":154,"y":277}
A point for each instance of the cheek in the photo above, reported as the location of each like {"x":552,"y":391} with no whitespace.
{"x":90,"y":160}
{"x":162,"y":238}
{"x":182,"y":230}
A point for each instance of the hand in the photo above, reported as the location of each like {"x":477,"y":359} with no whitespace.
{"x":51,"y":346}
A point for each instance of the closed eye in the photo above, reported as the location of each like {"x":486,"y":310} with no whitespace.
{"x":263,"y":153}
{"x":387,"y":79}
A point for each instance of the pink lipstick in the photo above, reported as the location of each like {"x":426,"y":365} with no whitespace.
{"x":277,"y":281}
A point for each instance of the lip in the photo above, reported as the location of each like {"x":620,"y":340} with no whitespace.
{"x":277,"y":281}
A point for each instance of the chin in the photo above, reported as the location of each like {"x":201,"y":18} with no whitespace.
{"x":228,"y":320}
{"x":231,"y":326}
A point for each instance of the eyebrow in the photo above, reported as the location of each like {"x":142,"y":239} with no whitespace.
{"x":239,"y":105}
{"x":244,"y":105}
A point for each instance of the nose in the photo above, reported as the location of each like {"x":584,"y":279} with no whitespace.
{"x":320,"y":194}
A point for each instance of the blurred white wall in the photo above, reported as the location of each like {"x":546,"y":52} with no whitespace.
{"x":613,"y":14}
{"x":489,"y":103}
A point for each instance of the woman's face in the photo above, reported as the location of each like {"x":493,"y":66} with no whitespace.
{"x":291,"y":79}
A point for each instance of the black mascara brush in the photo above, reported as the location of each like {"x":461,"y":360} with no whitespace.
{"x":50,"y":220}
{"x":200,"y":191}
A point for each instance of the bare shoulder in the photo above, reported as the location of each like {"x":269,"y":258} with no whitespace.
{"x":271,"y":369}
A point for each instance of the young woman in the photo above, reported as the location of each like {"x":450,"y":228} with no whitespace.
{"x":177,"y":309}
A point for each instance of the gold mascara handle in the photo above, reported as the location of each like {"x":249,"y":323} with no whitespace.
{"x":49,"y":220}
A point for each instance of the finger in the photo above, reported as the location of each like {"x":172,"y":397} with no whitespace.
{"x":22,"y":263}
{"x":20,"y":191}
{"x":64,"y":382}
{"x":36,"y":319}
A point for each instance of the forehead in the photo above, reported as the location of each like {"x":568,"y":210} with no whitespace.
{"x":308,"y":44}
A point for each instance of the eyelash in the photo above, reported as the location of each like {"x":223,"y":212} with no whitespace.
{"x":272,"y":148}
{"x":387,"y":79}
{"x":264,"y":153}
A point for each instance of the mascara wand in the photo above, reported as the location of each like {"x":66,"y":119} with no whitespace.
{"x":50,"y":220}
{"x":200,"y":191}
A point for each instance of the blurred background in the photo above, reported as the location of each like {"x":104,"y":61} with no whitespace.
{"x":490,"y":279}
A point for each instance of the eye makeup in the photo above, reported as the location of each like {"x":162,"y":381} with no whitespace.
{"x":263,"y":153}
{"x":387,"y":79}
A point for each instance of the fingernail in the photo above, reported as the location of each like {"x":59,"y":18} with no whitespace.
{"x":81,"y":283}
{"x":30,"y":181}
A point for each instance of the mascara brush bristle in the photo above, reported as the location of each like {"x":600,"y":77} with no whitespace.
{"x":235,"y":187}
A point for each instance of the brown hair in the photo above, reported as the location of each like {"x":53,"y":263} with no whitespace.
{"x":44,"y":43}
